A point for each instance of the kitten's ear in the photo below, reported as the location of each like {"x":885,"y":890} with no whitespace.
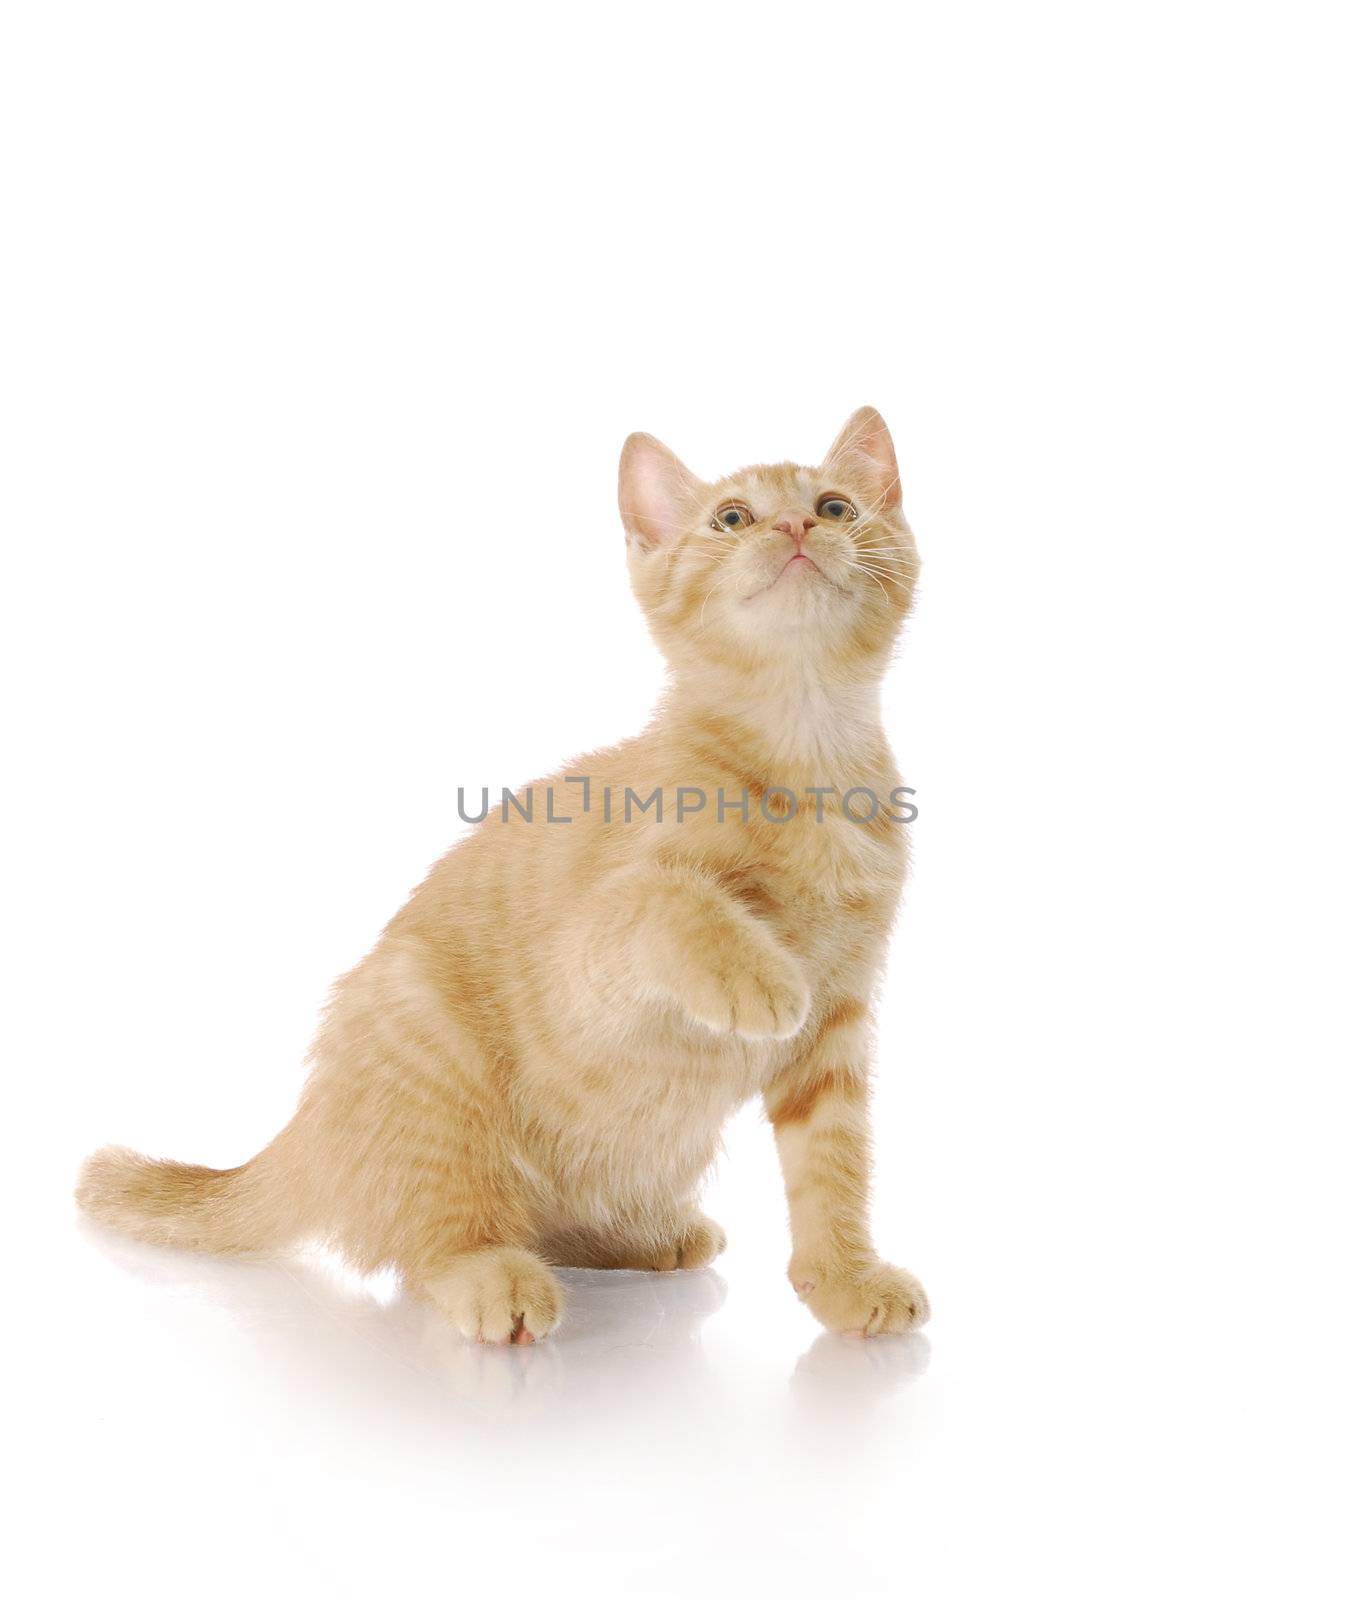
{"x":864,"y":451}
{"x":655,"y":490}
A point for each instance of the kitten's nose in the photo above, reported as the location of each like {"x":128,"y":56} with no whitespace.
{"x":795,"y":524}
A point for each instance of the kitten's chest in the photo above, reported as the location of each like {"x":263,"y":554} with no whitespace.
{"x":830,"y":888}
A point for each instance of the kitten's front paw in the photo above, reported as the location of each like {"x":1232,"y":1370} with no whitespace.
{"x":499,"y":1296}
{"x":865,"y":1300}
{"x":762,"y":997}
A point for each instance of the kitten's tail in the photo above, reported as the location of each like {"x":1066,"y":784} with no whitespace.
{"x":197,"y":1208}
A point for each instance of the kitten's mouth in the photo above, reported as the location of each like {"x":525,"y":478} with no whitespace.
{"x":801,"y":562}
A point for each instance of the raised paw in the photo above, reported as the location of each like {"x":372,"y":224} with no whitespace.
{"x":865,"y":1299}
{"x":499,"y":1296}
{"x":762,"y":996}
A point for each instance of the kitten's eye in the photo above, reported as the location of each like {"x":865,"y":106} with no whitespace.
{"x":833,"y":506}
{"x":733,"y":515}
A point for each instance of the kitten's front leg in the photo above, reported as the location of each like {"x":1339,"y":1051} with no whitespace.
{"x":689,"y":941}
{"x":819,"y":1108}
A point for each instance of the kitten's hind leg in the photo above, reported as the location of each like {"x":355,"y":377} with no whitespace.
{"x":699,"y":1241}
{"x":695,"y":1242}
{"x":500,"y":1295}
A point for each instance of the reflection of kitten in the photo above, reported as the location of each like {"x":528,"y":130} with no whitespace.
{"x":534,"y":1063}
{"x":630,"y":1344}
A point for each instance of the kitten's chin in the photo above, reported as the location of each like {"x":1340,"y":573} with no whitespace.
{"x":800,"y":613}
{"x":798,"y":578}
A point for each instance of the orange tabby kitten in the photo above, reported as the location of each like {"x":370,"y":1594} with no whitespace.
{"x":533,"y":1065}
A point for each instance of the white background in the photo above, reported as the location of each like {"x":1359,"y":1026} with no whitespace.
{"x":322,"y":329}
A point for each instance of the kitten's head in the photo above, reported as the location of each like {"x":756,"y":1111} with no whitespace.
{"x":772,"y":564}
